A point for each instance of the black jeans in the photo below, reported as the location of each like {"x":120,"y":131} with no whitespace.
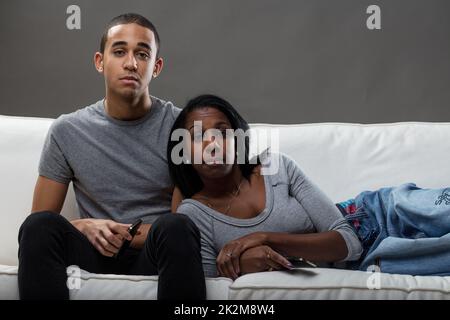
{"x":49,"y":243}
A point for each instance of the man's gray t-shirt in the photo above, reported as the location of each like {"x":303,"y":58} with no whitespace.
{"x":118,"y":168}
{"x":294,"y":204}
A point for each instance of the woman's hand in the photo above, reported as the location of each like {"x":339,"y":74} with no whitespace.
{"x":262,"y":258}
{"x":228,"y":258}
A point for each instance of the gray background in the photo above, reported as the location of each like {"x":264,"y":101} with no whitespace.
{"x":278,"y":61}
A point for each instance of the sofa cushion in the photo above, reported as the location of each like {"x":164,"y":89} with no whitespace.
{"x":109,"y":286}
{"x":315,"y":284}
{"x":324,"y":283}
{"x":9,"y":289}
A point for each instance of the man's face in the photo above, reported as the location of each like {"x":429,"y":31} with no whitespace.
{"x":129,"y":61}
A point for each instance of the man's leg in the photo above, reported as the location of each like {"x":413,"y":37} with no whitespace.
{"x":172,"y":250}
{"x":48,"y":243}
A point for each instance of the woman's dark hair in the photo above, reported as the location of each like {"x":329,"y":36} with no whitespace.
{"x":184,"y":175}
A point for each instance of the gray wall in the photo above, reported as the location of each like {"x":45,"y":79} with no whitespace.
{"x":278,"y":61}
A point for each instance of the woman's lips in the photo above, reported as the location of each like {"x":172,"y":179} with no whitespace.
{"x":214,"y":161}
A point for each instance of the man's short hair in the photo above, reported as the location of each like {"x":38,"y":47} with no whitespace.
{"x":126,"y":19}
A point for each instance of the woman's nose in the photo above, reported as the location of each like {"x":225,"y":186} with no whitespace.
{"x":212,"y":143}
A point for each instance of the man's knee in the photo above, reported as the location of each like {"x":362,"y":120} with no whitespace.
{"x":37,"y":223}
{"x":175,"y":224}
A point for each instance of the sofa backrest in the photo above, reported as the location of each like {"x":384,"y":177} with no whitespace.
{"x":342,"y":159}
{"x":21,"y":141}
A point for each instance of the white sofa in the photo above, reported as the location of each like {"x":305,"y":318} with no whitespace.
{"x":343,"y":159}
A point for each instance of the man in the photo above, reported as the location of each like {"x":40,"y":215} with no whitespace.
{"x":114,"y":152}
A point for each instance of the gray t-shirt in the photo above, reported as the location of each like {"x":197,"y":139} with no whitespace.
{"x":293,"y":204}
{"x":118,"y":168}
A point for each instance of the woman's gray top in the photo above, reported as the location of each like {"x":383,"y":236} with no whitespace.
{"x":294,"y":204}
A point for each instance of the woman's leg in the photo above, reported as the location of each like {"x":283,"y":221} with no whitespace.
{"x":408,"y":211}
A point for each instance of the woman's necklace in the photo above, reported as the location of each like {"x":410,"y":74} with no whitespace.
{"x":234,"y":194}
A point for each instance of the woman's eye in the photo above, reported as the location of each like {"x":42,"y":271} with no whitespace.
{"x":227,"y":133}
{"x":197,"y":137}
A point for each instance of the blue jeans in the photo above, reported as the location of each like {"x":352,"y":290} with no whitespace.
{"x":365,"y":227}
{"x":404,"y":229}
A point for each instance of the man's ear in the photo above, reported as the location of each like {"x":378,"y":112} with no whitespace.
{"x":98,"y":62}
{"x":159,"y":63}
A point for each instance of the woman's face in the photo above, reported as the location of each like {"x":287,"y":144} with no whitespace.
{"x":211,"y":147}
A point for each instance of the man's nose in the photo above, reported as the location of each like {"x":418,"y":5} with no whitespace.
{"x":130,"y":62}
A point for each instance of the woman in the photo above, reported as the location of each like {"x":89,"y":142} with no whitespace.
{"x":250,"y":222}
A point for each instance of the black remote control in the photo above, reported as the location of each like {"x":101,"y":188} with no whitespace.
{"x":131,"y":230}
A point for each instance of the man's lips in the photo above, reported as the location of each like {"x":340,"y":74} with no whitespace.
{"x":129,"y":78}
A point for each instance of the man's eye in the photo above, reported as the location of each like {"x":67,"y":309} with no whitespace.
{"x":143,"y":55}
{"x":119,"y":52}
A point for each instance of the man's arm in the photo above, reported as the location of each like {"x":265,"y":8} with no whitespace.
{"x":105,"y":235}
{"x":49,"y":195}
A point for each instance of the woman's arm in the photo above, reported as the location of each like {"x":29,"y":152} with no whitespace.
{"x":318,"y":247}
{"x":335,"y":238}
{"x":177,"y":197}
{"x":262,"y":258}
{"x":328,"y":246}
{"x":242,"y":256}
